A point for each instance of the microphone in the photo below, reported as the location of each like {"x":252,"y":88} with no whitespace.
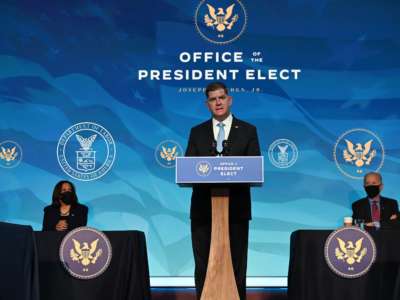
{"x":213,"y":149}
{"x":226,"y":148}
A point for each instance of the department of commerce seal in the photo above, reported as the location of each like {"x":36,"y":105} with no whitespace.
{"x":86,"y":151}
{"x":283,"y":153}
{"x":350,"y":252}
{"x":220,"y":21}
{"x":357,"y":152}
{"x":85,"y":253}
{"x":10,"y":154}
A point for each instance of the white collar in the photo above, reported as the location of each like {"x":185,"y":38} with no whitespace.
{"x":227,"y":122}
{"x":227,"y":128}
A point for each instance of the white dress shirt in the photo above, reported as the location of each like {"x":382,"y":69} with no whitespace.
{"x":227,"y":128}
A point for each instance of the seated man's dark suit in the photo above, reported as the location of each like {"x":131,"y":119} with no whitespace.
{"x":242,"y":141}
{"x":362,"y":210}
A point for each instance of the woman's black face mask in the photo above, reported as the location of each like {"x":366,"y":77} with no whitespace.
{"x":67,"y":197}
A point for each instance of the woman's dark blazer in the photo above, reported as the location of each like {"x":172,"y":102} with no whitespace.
{"x":77,"y":217}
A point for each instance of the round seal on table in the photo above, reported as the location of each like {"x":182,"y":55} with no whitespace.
{"x":350,"y":252}
{"x":85,"y":253}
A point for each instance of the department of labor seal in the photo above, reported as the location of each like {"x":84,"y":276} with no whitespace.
{"x":86,"y":151}
{"x":357,"y":152}
{"x":85,"y":253}
{"x":222,"y":21}
{"x":350,"y":252}
{"x":283,"y":153}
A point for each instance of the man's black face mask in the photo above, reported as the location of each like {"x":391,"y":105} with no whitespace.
{"x":372,"y":190}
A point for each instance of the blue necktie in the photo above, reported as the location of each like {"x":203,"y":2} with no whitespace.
{"x":221,"y":137}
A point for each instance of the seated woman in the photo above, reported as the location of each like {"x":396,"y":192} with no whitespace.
{"x":64,"y":213}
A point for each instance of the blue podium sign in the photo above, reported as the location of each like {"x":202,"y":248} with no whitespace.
{"x":220,"y":169}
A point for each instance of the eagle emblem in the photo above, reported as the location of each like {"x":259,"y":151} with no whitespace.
{"x":8,"y":154}
{"x":86,"y":143}
{"x":168,"y":153}
{"x":359,"y":155}
{"x":204,"y":168}
{"x":84,"y":254}
{"x":221,"y":19}
{"x":349,"y":252}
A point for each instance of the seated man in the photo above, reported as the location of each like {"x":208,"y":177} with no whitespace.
{"x":374,"y":209}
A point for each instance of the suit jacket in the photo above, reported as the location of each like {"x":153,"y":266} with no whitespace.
{"x":77,"y":217}
{"x":242,"y":141}
{"x":362,"y":209}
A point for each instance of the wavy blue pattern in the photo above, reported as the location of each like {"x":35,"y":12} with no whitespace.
{"x":69,"y":62}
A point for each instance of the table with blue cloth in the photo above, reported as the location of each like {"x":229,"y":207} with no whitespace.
{"x":310,"y":278}
{"x":127,"y":277}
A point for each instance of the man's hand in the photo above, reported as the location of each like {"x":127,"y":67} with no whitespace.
{"x":370,"y":224}
{"x":62,"y":225}
{"x":393,"y":217}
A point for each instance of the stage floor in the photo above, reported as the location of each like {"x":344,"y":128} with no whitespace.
{"x":189,"y":294}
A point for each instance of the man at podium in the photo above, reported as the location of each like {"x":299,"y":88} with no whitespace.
{"x":223,"y":134}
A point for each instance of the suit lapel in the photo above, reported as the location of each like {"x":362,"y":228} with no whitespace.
{"x":233,"y":133}
{"x":210,"y":131}
{"x":368,"y":209}
{"x":382,"y":209}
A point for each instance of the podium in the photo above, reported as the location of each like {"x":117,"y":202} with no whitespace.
{"x":220,"y":172}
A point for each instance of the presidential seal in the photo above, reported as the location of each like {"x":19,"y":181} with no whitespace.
{"x":203,"y":168}
{"x":220,"y":22}
{"x":85,"y":253}
{"x":10,"y":154}
{"x":167,"y":152}
{"x":86,"y":151}
{"x":350,"y":252}
{"x":357,"y":152}
{"x":283,"y":153}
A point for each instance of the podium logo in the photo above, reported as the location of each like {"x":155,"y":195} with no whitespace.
{"x":220,"y":22}
{"x":350,"y":252}
{"x":167,"y":152}
{"x":203,"y":168}
{"x":86,"y":151}
{"x":85,"y":253}
{"x":10,"y":154}
{"x":358,"y":151}
{"x":283,"y":153}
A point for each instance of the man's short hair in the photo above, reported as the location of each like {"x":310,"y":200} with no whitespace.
{"x":373,"y":173}
{"x":213,"y":86}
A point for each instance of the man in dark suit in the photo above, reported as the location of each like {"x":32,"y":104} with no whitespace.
{"x":374,"y":209}
{"x":222,"y":134}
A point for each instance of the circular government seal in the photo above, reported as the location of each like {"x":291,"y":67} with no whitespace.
{"x":358,"y":151}
{"x":10,"y":154}
{"x":283,"y":153}
{"x":220,"y":21}
{"x":167,"y":152}
{"x":85,"y":253}
{"x":203,"y":168}
{"x":86,"y":151}
{"x":350,"y":252}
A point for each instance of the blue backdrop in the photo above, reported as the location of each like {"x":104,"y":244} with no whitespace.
{"x":66,"y":62}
